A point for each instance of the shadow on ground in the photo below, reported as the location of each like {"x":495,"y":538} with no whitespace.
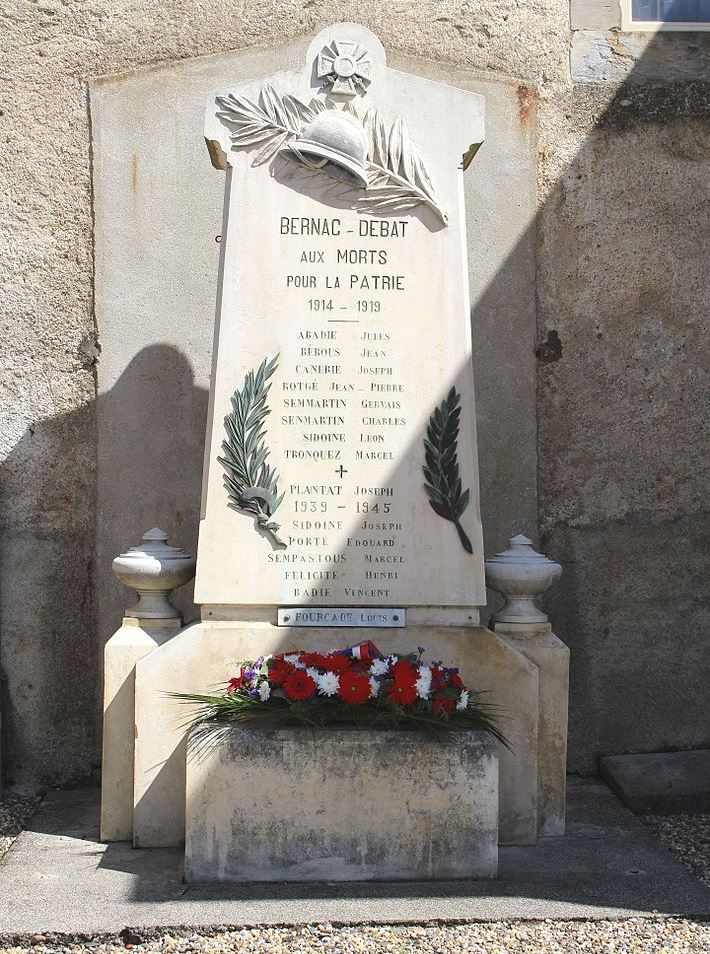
{"x":59,"y":878}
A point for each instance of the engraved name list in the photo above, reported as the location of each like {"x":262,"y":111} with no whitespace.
{"x":342,"y":407}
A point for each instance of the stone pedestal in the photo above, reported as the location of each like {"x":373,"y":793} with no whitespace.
{"x":154,"y":570}
{"x":342,"y":805}
{"x":131,"y":642}
{"x":203,"y":655}
{"x":341,"y":471}
{"x":521,"y":575}
{"x":551,"y":657}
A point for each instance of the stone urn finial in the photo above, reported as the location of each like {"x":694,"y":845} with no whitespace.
{"x":520,"y":574}
{"x":154,"y":570}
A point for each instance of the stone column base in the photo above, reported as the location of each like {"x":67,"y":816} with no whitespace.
{"x":551,"y":656}
{"x":135,"y":638}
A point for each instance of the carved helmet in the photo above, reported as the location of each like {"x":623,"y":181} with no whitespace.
{"x":333,"y":138}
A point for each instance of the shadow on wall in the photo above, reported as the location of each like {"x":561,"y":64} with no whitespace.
{"x":48,"y":659}
{"x":51,"y":661}
{"x":621,"y":244}
{"x":622,"y":417}
{"x":154,"y":420}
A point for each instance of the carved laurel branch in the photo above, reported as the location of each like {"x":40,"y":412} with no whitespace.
{"x":251,"y":484}
{"x":397,"y":178}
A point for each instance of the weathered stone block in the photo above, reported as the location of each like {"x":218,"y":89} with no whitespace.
{"x":660,"y":782}
{"x":342,"y":805}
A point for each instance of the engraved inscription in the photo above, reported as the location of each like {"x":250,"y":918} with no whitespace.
{"x":341,"y":406}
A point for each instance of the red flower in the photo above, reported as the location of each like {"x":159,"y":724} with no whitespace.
{"x":336,"y":663}
{"x":298,"y":685}
{"x":401,"y":694}
{"x":402,"y":691}
{"x":438,"y":678}
{"x":236,"y":683}
{"x":354,"y":688}
{"x":443,"y":706}
{"x":457,"y":681}
{"x":279,"y":671}
{"x":316,"y":660}
{"x":404,"y":673}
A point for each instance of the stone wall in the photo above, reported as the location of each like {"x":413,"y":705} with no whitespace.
{"x":622,"y":310}
{"x":622,"y":410}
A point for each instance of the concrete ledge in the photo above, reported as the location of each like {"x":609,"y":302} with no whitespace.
{"x":342,"y":805}
{"x":660,"y":783}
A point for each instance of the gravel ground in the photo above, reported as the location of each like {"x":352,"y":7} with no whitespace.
{"x":688,"y":837}
{"x":15,"y":812}
{"x":634,"y":936}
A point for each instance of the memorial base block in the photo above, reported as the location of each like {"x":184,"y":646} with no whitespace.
{"x":342,"y":805}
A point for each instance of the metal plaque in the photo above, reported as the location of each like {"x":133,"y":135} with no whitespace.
{"x":341,"y":616}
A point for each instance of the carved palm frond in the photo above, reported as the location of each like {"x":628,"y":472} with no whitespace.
{"x":441,"y":470}
{"x":251,"y":483}
{"x":397,"y":178}
{"x":268,"y":123}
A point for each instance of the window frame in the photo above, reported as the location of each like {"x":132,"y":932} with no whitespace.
{"x":629,"y":25}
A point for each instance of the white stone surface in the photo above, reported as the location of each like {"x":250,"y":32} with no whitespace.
{"x":369,"y":319}
{"x":131,"y":642}
{"x":378,"y":806}
{"x":520,"y":574}
{"x":154,"y":569}
{"x":202,"y":656}
{"x":551,"y":657}
{"x":595,"y":14}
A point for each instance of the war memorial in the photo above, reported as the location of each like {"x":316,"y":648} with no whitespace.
{"x":340,"y":503}
{"x":352,"y":566}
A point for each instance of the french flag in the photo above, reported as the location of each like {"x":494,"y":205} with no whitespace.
{"x":365,"y":652}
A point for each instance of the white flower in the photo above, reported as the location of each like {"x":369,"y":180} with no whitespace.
{"x":463,"y":701}
{"x":423,"y":683}
{"x":374,"y":687}
{"x":327,"y":683}
{"x":295,"y":660}
{"x":264,"y":690}
{"x":392,"y":660}
{"x":379,"y":667}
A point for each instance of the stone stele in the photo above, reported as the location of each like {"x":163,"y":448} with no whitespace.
{"x":358,"y":301}
{"x":358,"y":806}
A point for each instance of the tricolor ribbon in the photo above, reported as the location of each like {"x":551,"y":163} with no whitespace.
{"x":365,"y":651}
